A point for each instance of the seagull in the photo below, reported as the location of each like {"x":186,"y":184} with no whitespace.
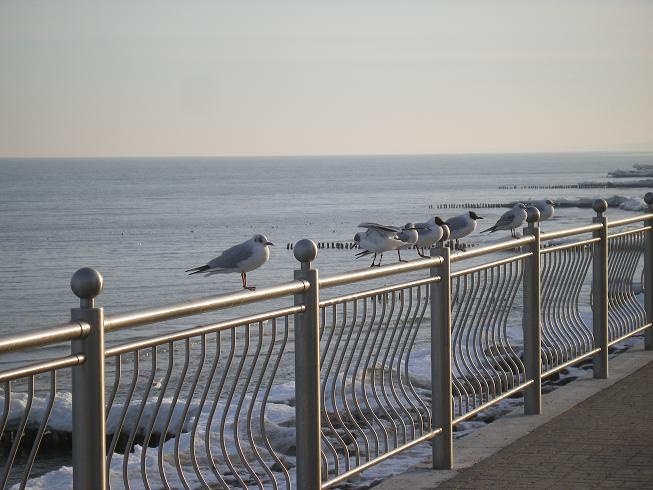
{"x":243,"y":258}
{"x":377,"y":240}
{"x":462,"y":225}
{"x":429,"y":232}
{"x":545,"y":207}
{"x":409,"y":236}
{"x":510,"y":220}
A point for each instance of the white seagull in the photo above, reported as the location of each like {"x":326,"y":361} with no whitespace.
{"x":510,"y":220}
{"x":377,"y":240}
{"x":546,"y":207}
{"x":462,"y":225}
{"x":429,"y":232}
{"x":243,"y":258}
{"x":409,"y":236}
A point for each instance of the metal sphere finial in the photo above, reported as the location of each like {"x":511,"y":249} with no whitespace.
{"x":86,"y":283}
{"x":600,"y":205}
{"x":648,"y":198}
{"x":532,"y":214}
{"x":305,"y":250}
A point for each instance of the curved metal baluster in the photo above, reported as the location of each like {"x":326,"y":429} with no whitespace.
{"x":368,"y":407}
{"x":214,"y":406}
{"x":516,"y":274}
{"x":137,"y":421}
{"x":464,"y":299}
{"x":496,"y":357}
{"x":373,"y":351}
{"x":394,"y":416}
{"x":339,"y":381}
{"x":193,"y":437}
{"x":584,"y":330}
{"x":171,"y":412}
{"x":566,"y":342}
{"x":266,"y":440}
{"x":480,"y":328}
{"x":546,"y":292}
{"x":570,"y":305}
{"x":19,"y":433}
{"x":41,"y":431}
{"x":391,"y":358}
{"x":470,"y":347}
{"x":123,"y":413}
{"x":334,"y":438}
{"x":345,"y":390}
{"x":419,"y":406}
{"x":225,"y":414}
{"x":116,"y":383}
{"x":356,"y":351}
{"x":155,"y":416}
{"x":190,"y":395}
{"x":243,"y":394}
{"x":397,"y":356}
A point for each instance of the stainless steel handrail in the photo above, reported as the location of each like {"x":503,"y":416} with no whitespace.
{"x":552,"y":235}
{"x":203,"y":305}
{"x":628,"y":221}
{"x":42,"y":337}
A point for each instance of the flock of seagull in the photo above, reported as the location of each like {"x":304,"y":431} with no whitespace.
{"x":378,"y":239}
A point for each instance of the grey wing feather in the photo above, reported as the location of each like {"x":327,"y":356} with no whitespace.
{"x":421,"y":226}
{"x":456,"y":222}
{"x":231,"y":257}
{"x":377,"y":226}
{"x":505,"y":219}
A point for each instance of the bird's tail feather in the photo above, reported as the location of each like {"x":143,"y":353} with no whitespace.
{"x":197,"y":270}
{"x":491,"y":229}
{"x":363,"y":254}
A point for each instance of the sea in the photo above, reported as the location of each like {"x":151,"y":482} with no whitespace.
{"x":142,"y":222}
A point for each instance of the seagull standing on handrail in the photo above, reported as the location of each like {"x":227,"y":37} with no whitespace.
{"x":546,"y":207}
{"x":510,"y":220}
{"x":377,"y":240}
{"x":429,"y":233}
{"x":462,"y":225}
{"x":243,"y":258}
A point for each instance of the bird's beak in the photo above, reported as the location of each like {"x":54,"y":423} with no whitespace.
{"x":269,"y":243}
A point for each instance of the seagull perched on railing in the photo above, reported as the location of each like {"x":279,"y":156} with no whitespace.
{"x":546,"y":207}
{"x":462,"y":225}
{"x":510,"y":220}
{"x":377,"y":240}
{"x":243,"y":258}
{"x":409,"y":236}
{"x":429,"y":232}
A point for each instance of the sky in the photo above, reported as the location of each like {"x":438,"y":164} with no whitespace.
{"x":276,"y":77}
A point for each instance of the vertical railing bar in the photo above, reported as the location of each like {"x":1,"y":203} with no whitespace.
{"x":532,"y":318}
{"x":600,"y":291}
{"x":307,"y":371}
{"x":648,"y":274}
{"x":89,"y":429}
{"x":441,"y":395}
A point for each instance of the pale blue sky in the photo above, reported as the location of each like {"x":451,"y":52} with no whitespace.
{"x":155,"y":77}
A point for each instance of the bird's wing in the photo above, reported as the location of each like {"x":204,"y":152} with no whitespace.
{"x":456,"y":222}
{"x":422,"y":226}
{"x":505,"y":220}
{"x":231,"y":257}
{"x":382,"y":229}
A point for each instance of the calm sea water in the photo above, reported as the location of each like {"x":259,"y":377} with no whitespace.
{"x":142,"y":222}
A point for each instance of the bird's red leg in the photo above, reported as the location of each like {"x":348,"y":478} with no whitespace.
{"x":243,"y":276}
{"x":399,"y":253}
{"x":373,"y":259}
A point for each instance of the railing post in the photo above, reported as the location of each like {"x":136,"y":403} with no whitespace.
{"x":648,"y":275}
{"x":600,"y":291}
{"x":532,"y":325}
{"x":441,"y":390}
{"x":307,"y":371}
{"x":88,"y":438}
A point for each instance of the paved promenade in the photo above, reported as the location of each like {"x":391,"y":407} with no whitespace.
{"x":604,"y":441}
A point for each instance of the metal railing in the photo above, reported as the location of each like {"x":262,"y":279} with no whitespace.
{"x":309,"y":394}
